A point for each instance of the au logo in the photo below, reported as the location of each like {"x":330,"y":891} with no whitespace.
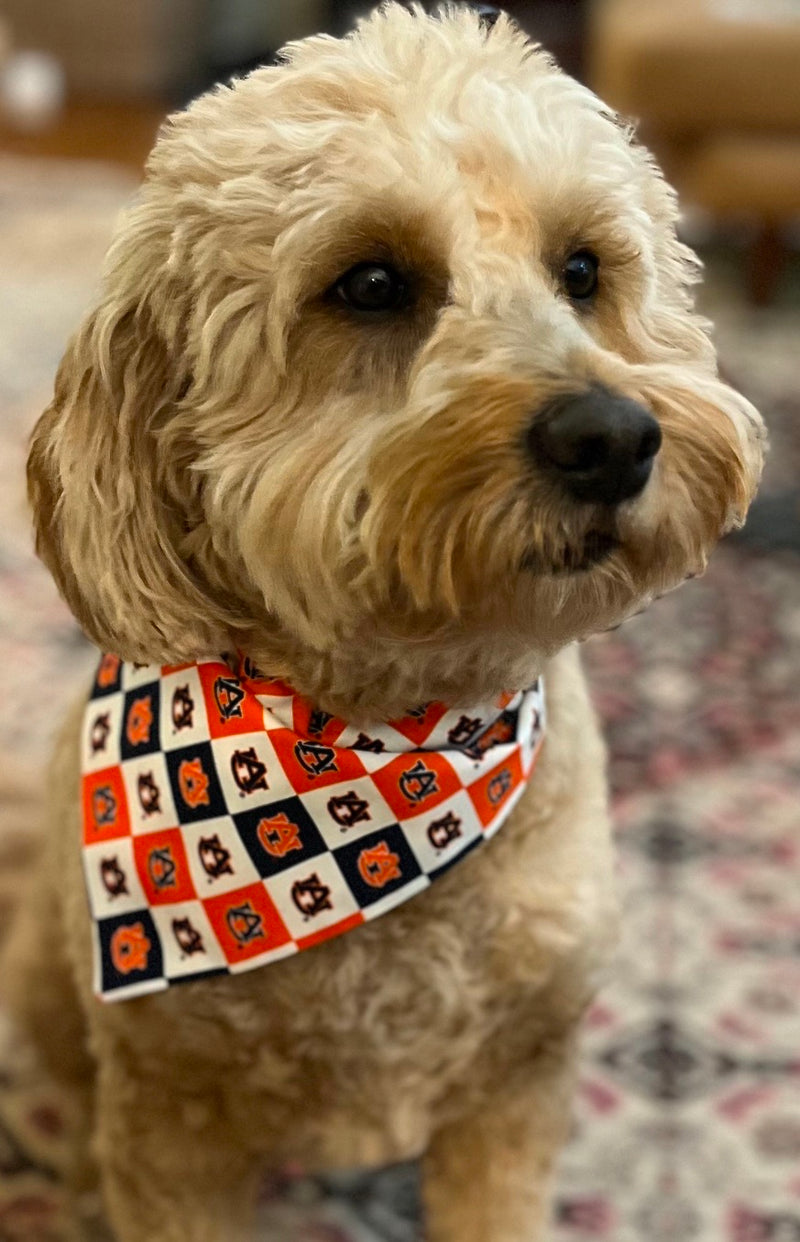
{"x":502,"y":730}
{"x":161,"y":868}
{"x":317,"y":721}
{"x":130,"y":948}
{"x":107,"y":673}
{"x":193,"y":783}
{"x":378,"y":866}
{"x":113,"y":877}
{"x":316,"y":758}
{"x":139,"y":721}
{"x":418,"y":782}
{"x":278,"y":835}
{"x":499,"y":786}
{"x":462,"y":732}
{"x":182,"y":708}
{"x":311,"y":896}
{"x":215,"y":858}
{"x":442,"y":831}
{"x":348,"y":809}
{"x":228,"y":695}
{"x":149,"y":793}
{"x":374,"y":744}
{"x":188,"y":937}
{"x":249,"y":772}
{"x":104,"y":806}
{"x":251,"y":670}
{"x":101,"y":727}
{"x":245,"y":923}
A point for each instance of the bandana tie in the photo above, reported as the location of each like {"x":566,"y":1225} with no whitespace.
{"x":228,"y":823}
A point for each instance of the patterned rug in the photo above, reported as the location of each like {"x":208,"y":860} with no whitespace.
{"x":687,"y":1124}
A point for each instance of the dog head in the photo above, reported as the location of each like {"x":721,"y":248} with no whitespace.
{"x":396,"y":380}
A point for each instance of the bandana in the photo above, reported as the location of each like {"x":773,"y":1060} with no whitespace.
{"x":228,"y":823}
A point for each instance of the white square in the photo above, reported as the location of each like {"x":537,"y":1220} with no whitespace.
{"x":347,"y":811}
{"x":191,"y":947}
{"x":149,"y":793}
{"x":182,"y":710}
{"x":312,"y":896}
{"x":112,"y":879}
{"x":132,"y":677}
{"x":261,"y":778}
{"x":102,"y":725}
{"x":440,"y":836}
{"x":218,"y":861}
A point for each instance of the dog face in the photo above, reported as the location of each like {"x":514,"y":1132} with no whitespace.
{"x":396,"y":366}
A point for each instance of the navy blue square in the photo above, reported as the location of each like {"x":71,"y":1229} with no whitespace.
{"x":377,"y":864}
{"x":195,"y":784}
{"x":108,"y":678}
{"x":140,"y":716}
{"x":279,"y":835}
{"x":130,"y":950}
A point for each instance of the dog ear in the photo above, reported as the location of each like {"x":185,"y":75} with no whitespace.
{"x":113,"y":496}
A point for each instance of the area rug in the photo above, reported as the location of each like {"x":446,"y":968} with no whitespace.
{"x":687,"y":1125}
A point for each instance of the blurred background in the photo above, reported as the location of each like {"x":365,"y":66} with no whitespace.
{"x":688,"y":1119}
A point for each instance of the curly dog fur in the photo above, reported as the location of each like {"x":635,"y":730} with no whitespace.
{"x":236,"y":458}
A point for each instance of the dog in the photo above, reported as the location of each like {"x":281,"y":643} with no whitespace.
{"x":396,"y":390}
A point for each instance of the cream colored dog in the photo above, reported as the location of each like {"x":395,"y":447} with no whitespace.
{"x":396,"y":386}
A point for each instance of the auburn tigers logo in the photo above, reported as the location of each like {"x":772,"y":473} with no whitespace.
{"x":215,"y":858}
{"x":245,"y":923}
{"x":278,"y":835}
{"x":108,"y":671}
{"x":317,"y":721}
{"x":114,"y":878}
{"x":139,"y":721}
{"x":442,"y":831}
{"x":182,"y":708}
{"x":378,"y":866}
{"x":193,"y":783}
{"x":161,"y":868}
{"x":101,"y":727}
{"x":249,"y":772}
{"x":311,"y":896}
{"x":104,"y":807}
{"x":130,"y":949}
{"x":188,"y":937}
{"x":418,"y":782}
{"x":348,"y":809}
{"x":464,"y":730}
{"x":228,"y":696}
{"x":499,"y":786}
{"x":374,"y":744}
{"x":502,"y":730}
{"x":316,"y":758}
{"x":149,"y":794}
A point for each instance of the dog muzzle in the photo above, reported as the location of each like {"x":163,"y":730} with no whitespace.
{"x":228,"y":823}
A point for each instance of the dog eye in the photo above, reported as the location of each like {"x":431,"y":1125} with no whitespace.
{"x":372,"y":287}
{"x":580,"y":274}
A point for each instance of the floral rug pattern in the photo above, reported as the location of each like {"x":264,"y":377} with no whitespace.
{"x":687,"y":1124}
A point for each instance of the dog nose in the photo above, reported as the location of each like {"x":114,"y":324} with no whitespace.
{"x":601,"y":445}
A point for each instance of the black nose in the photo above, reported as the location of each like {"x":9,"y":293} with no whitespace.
{"x":600,"y":445}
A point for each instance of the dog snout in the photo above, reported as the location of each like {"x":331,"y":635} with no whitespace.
{"x":599,"y":444}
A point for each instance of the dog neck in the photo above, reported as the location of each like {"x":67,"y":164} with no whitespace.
{"x":372,"y":679}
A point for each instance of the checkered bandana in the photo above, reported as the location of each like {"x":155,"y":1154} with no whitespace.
{"x":228,"y":823}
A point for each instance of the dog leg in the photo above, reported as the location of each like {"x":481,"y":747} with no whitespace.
{"x":486,"y":1177}
{"x":171,"y":1170}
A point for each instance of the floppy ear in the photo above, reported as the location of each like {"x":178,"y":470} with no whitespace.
{"x":114,"y":498}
